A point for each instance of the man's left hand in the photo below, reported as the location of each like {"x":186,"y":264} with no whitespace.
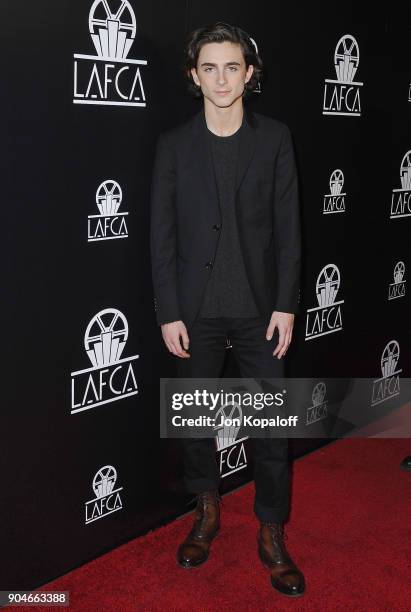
{"x":284,"y":321}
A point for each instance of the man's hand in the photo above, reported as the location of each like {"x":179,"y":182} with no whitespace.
{"x":171,"y":335}
{"x":285,"y":322}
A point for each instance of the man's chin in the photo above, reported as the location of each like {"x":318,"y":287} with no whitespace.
{"x":223,"y":102}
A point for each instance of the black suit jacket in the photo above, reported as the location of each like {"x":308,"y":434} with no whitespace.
{"x":186,"y":218}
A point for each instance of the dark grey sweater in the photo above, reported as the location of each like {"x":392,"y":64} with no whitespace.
{"x":228,"y":293}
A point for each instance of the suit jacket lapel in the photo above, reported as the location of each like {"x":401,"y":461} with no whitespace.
{"x":248,"y":140}
{"x":200,"y":150}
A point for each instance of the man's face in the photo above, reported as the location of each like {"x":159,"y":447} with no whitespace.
{"x":221,"y":73}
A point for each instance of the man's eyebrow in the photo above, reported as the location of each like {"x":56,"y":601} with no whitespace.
{"x":226,"y":64}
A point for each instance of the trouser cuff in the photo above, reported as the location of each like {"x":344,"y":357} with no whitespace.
{"x":198,"y":485}
{"x":278,"y":514}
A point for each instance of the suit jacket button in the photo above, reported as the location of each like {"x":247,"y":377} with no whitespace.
{"x":216,"y":227}
{"x":209,"y":265}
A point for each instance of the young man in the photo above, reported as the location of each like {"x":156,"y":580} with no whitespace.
{"x":225,"y":251}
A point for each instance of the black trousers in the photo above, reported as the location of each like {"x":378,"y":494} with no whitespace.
{"x":253,"y":353}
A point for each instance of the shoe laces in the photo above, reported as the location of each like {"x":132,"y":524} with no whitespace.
{"x":199,"y":496}
{"x":199,"y":528}
{"x":277,"y":529}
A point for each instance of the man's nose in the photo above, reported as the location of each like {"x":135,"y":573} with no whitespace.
{"x":221,"y":78}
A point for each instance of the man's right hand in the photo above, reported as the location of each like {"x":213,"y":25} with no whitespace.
{"x":171,"y":335}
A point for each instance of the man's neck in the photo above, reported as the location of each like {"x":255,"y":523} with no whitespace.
{"x":224,"y":121}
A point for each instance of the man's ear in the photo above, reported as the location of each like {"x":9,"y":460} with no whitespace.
{"x":249,"y":72}
{"x":194,"y":76}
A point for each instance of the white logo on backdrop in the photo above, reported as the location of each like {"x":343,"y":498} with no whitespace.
{"x":110,"y":77}
{"x":325,"y":318}
{"x":401,"y":198}
{"x":232,"y":451}
{"x":257,"y":89}
{"x":389,"y":384}
{"x":397,"y":288}
{"x":107,"y":499}
{"x":342,"y":95}
{"x":334,"y":202}
{"x":111,"y":378}
{"x":318,"y":410}
{"x":110,"y":223}
{"x":114,"y":34}
{"x":105,"y":341}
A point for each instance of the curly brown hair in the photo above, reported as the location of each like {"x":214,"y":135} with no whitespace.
{"x":220,"y":32}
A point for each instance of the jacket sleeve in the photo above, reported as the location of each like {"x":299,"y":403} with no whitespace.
{"x":287,"y":227}
{"x":163,"y":234}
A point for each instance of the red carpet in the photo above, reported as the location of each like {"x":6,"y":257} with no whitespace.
{"x":349,"y":531}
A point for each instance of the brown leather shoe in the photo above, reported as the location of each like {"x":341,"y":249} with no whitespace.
{"x":195,"y":549}
{"x":285,"y":575}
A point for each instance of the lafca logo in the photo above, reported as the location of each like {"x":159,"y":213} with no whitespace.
{"x":318,"y":410}
{"x":257,"y":89}
{"x":397,"y":288}
{"x":110,"y":378}
{"x":110,"y":77}
{"x":232,"y":456}
{"x":400,"y":199}
{"x":334,"y":202}
{"x":389,"y":385}
{"x":109,"y":224}
{"x":325,"y":318}
{"x":342,"y":95}
{"x":108,"y":499}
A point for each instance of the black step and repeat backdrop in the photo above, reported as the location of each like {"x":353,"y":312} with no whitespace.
{"x":86,"y":88}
